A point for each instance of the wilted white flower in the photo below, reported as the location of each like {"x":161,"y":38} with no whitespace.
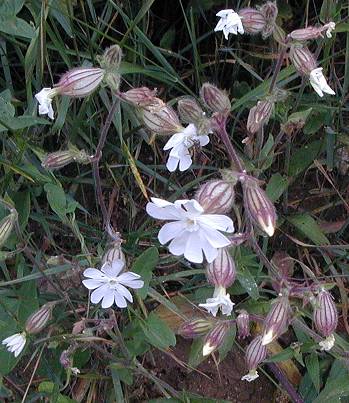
{"x":328,"y":343}
{"x":229,"y":23}
{"x":45,"y":97}
{"x":15,"y":343}
{"x":180,"y":143}
{"x":331,"y":26}
{"x":192,"y":232}
{"x":250,"y":376}
{"x":221,"y":300}
{"x":110,"y":286}
{"x":319,"y":83}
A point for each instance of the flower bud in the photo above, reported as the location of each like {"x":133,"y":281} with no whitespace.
{"x":215,"y":99}
{"x":270,"y":12}
{"x":302,"y":59}
{"x":216,"y":196}
{"x":325,"y":318}
{"x":195,"y":328}
{"x":285,"y":265}
{"x":255,"y":354}
{"x":276,"y":321}
{"x":60,"y":159}
{"x":38,"y":320}
{"x":243,"y":324}
{"x":189,"y":110}
{"x":258,"y":205}
{"x":79,"y":82}
{"x":161,"y":118}
{"x":65,"y":359}
{"x":139,"y":97}
{"x":215,"y":338}
{"x":253,"y":20}
{"x":311,"y":32}
{"x":222,"y":271}
{"x":6,"y":226}
{"x":110,"y":62}
{"x":114,"y":252}
{"x":259,"y":115}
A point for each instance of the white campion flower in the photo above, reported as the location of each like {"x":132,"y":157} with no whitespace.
{"x":110,"y":286}
{"x":331,"y":26}
{"x":45,"y":97}
{"x":191,"y":232}
{"x":319,"y":83}
{"x":250,"y":376}
{"x":179,"y":144}
{"x":230,"y":23}
{"x":15,"y":343}
{"x":221,"y":300}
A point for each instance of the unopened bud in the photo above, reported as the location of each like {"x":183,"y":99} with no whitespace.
{"x":258,"y":205}
{"x":215,"y":99}
{"x":189,"y":110}
{"x":6,"y":226}
{"x":276,"y":321}
{"x":114,"y":252}
{"x":216,"y":196}
{"x":79,"y":82}
{"x":60,"y":159}
{"x":215,"y":338}
{"x":161,"y":118}
{"x":222,"y":271}
{"x":195,"y":328}
{"x":253,"y":20}
{"x":311,"y":32}
{"x":110,"y":62}
{"x":65,"y":359}
{"x":259,"y":115}
{"x":38,"y":320}
{"x":139,"y":97}
{"x":243,"y":324}
{"x":270,"y":12}
{"x":255,"y":355}
{"x":284,"y":265}
{"x":302,"y":59}
{"x":325,"y":313}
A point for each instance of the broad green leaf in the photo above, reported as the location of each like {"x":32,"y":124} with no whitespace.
{"x":195,"y":355}
{"x":334,"y":390}
{"x":283,"y":355}
{"x":309,"y":227}
{"x":317,"y":118}
{"x":276,"y":186}
{"x":304,"y":156}
{"x":157,"y":333}
{"x":57,"y":199}
{"x":312,"y":364}
{"x":144,"y":266}
{"x":227,"y":343}
{"x":248,"y":282}
{"x":15,"y":26}
{"x":53,"y":391}
{"x":299,"y":117}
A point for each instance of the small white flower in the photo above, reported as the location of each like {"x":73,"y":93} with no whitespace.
{"x":15,"y":343}
{"x":44,"y":98}
{"x":251,"y":376}
{"x":230,"y":23}
{"x":180,"y":143}
{"x":221,"y":300}
{"x":75,"y":371}
{"x":110,"y":286}
{"x":192,"y":232}
{"x":319,"y":83}
{"x":328,"y":343}
{"x":330,"y":27}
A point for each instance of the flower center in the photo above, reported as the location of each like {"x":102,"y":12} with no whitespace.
{"x":192,"y":225}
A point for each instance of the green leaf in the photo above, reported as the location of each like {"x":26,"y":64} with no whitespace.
{"x":144,"y":266}
{"x":312,"y":364}
{"x":309,"y":227}
{"x":11,"y":7}
{"x":298,"y":117}
{"x":157,"y":332}
{"x":303,"y":157}
{"x":53,"y":391}
{"x":334,"y":390}
{"x":276,"y":186}
{"x":16,"y":26}
{"x":195,"y":355}
{"x":317,"y":119}
{"x":248,"y":282}
{"x":57,"y":199}
{"x":283,"y":355}
{"x":227,"y":343}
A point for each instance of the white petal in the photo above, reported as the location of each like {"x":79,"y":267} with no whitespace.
{"x":177,"y":245}
{"x":225,"y":13}
{"x":185,"y":162}
{"x":162,"y":212}
{"x":11,"y":339}
{"x":120,"y":301}
{"x":210,"y":251}
{"x":112,"y":269}
{"x":193,"y":250}
{"x":169,"y":231}
{"x":94,"y":273}
{"x":176,"y":139}
{"x":172,"y":163}
{"x":217,"y":221}
{"x":191,"y":207}
{"x":190,"y":130}
{"x":99,"y":293}
{"x":123,"y":291}
{"x":204,"y":140}
{"x":91,"y":284}
{"x":215,"y":238}
{"x":108,"y":299}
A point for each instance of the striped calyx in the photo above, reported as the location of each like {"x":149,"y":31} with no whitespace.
{"x":259,"y":115}
{"x":38,"y":320}
{"x":256,"y":352}
{"x":222,"y":271}
{"x":114,"y":252}
{"x":80,"y":82}
{"x":302,"y":59}
{"x":6,"y":226}
{"x":215,"y":99}
{"x":325,"y":313}
{"x":215,"y":338}
{"x":277,"y":319}
{"x":195,"y":328}
{"x":258,"y":205}
{"x":252,"y":20}
{"x":216,"y":196}
{"x":139,"y":97}
{"x":161,"y":118}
